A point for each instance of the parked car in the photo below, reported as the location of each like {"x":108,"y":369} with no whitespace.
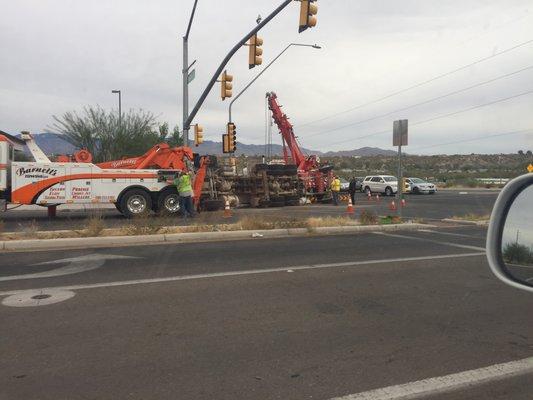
{"x":344,"y":184}
{"x":419,"y":186}
{"x":359,"y":182}
{"x":386,"y":184}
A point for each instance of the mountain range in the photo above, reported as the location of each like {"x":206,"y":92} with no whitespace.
{"x":53,"y":143}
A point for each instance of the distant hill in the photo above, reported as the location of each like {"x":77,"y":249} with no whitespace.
{"x":54,"y":143}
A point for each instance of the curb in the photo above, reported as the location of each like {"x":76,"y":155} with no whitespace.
{"x":484,"y":222}
{"x":111,"y":241}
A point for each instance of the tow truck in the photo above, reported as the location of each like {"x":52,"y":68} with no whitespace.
{"x":136,"y":185}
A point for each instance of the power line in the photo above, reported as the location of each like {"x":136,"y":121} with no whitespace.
{"x":474,"y":139}
{"x":420,"y":83}
{"x":423,"y":102}
{"x":438,"y":117}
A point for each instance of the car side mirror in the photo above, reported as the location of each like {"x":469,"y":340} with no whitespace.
{"x":510,"y":234}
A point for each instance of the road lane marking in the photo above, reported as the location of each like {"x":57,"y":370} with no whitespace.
{"x":246,"y":272}
{"x":450,"y":234}
{"x":461,"y":246}
{"x":446,"y":383}
{"x":74,"y":265}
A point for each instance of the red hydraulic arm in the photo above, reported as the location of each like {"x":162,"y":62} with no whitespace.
{"x":285,"y":128}
{"x":160,"y":156}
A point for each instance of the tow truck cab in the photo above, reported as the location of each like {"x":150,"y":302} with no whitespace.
{"x":9,"y":145}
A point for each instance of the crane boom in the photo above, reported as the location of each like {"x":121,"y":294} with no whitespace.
{"x":287,"y":133}
{"x":316,"y":177}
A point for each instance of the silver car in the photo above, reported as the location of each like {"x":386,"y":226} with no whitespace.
{"x":419,"y":186}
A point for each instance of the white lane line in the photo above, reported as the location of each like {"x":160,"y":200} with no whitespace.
{"x":447,"y":383}
{"x":450,"y":234}
{"x":461,"y":246}
{"x":246,"y":272}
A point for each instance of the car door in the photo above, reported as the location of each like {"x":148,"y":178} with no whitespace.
{"x":375,"y":184}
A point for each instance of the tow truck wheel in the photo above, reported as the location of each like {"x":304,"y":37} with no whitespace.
{"x":168,"y":202}
{"x":135,"y":202}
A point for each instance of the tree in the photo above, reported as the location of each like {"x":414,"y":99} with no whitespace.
{"x":107,"y":137}
{"x":517,"y":253}
{"x":174,"y":139}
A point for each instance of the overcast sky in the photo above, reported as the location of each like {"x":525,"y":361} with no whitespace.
{"x":59,"y":55}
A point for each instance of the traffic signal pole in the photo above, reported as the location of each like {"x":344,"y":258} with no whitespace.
{"x":263,"y":70}
{"x":224,"y":62}
{"x":185,"y":77}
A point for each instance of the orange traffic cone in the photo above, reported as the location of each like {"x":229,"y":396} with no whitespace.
{"x":377,"y":197}
{"x":369,"y":196}
{"x":350,"y":209}
{"x":392,"y":206}
{"x":227,"y":210}
{"x":403,"y":203}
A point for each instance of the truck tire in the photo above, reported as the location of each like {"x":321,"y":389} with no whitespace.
{"x":168,"y":202}
{"x":135,"y":202}
{"x":388,"y":191}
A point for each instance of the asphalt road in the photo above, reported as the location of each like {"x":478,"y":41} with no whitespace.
{"x":306,"y":318}
{"x":445,"y":204}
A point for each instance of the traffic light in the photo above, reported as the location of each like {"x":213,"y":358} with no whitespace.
{"x":255,"y":51}
{"x":198,"y":135}
{"x":232,"y":137}
{"x":226,"y":85}
{"x":225,"y":143}
{"x":308,"y":10}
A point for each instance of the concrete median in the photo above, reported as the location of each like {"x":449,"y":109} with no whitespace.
{"x":113,"y":241}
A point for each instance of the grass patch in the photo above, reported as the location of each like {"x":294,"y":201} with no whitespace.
{"x":30,"y":230}
{"x":320,"y":222}
{"x":368,"y":218}
{"x":94,"y":226}
{"x":144,"y":225}
{"x":472,"y":217}
{"x":390,"y":220}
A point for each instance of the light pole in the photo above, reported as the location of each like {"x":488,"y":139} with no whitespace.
{"x":314,"y":46}
{"x":119,"y":106}
{"x":185,"y":77}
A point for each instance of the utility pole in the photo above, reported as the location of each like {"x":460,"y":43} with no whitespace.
{"x":400,"y":138}
{"x":185,"y":78}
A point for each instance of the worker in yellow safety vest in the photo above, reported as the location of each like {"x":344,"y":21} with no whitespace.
{"x":335,"y":189}
{"x":184,"y":186}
